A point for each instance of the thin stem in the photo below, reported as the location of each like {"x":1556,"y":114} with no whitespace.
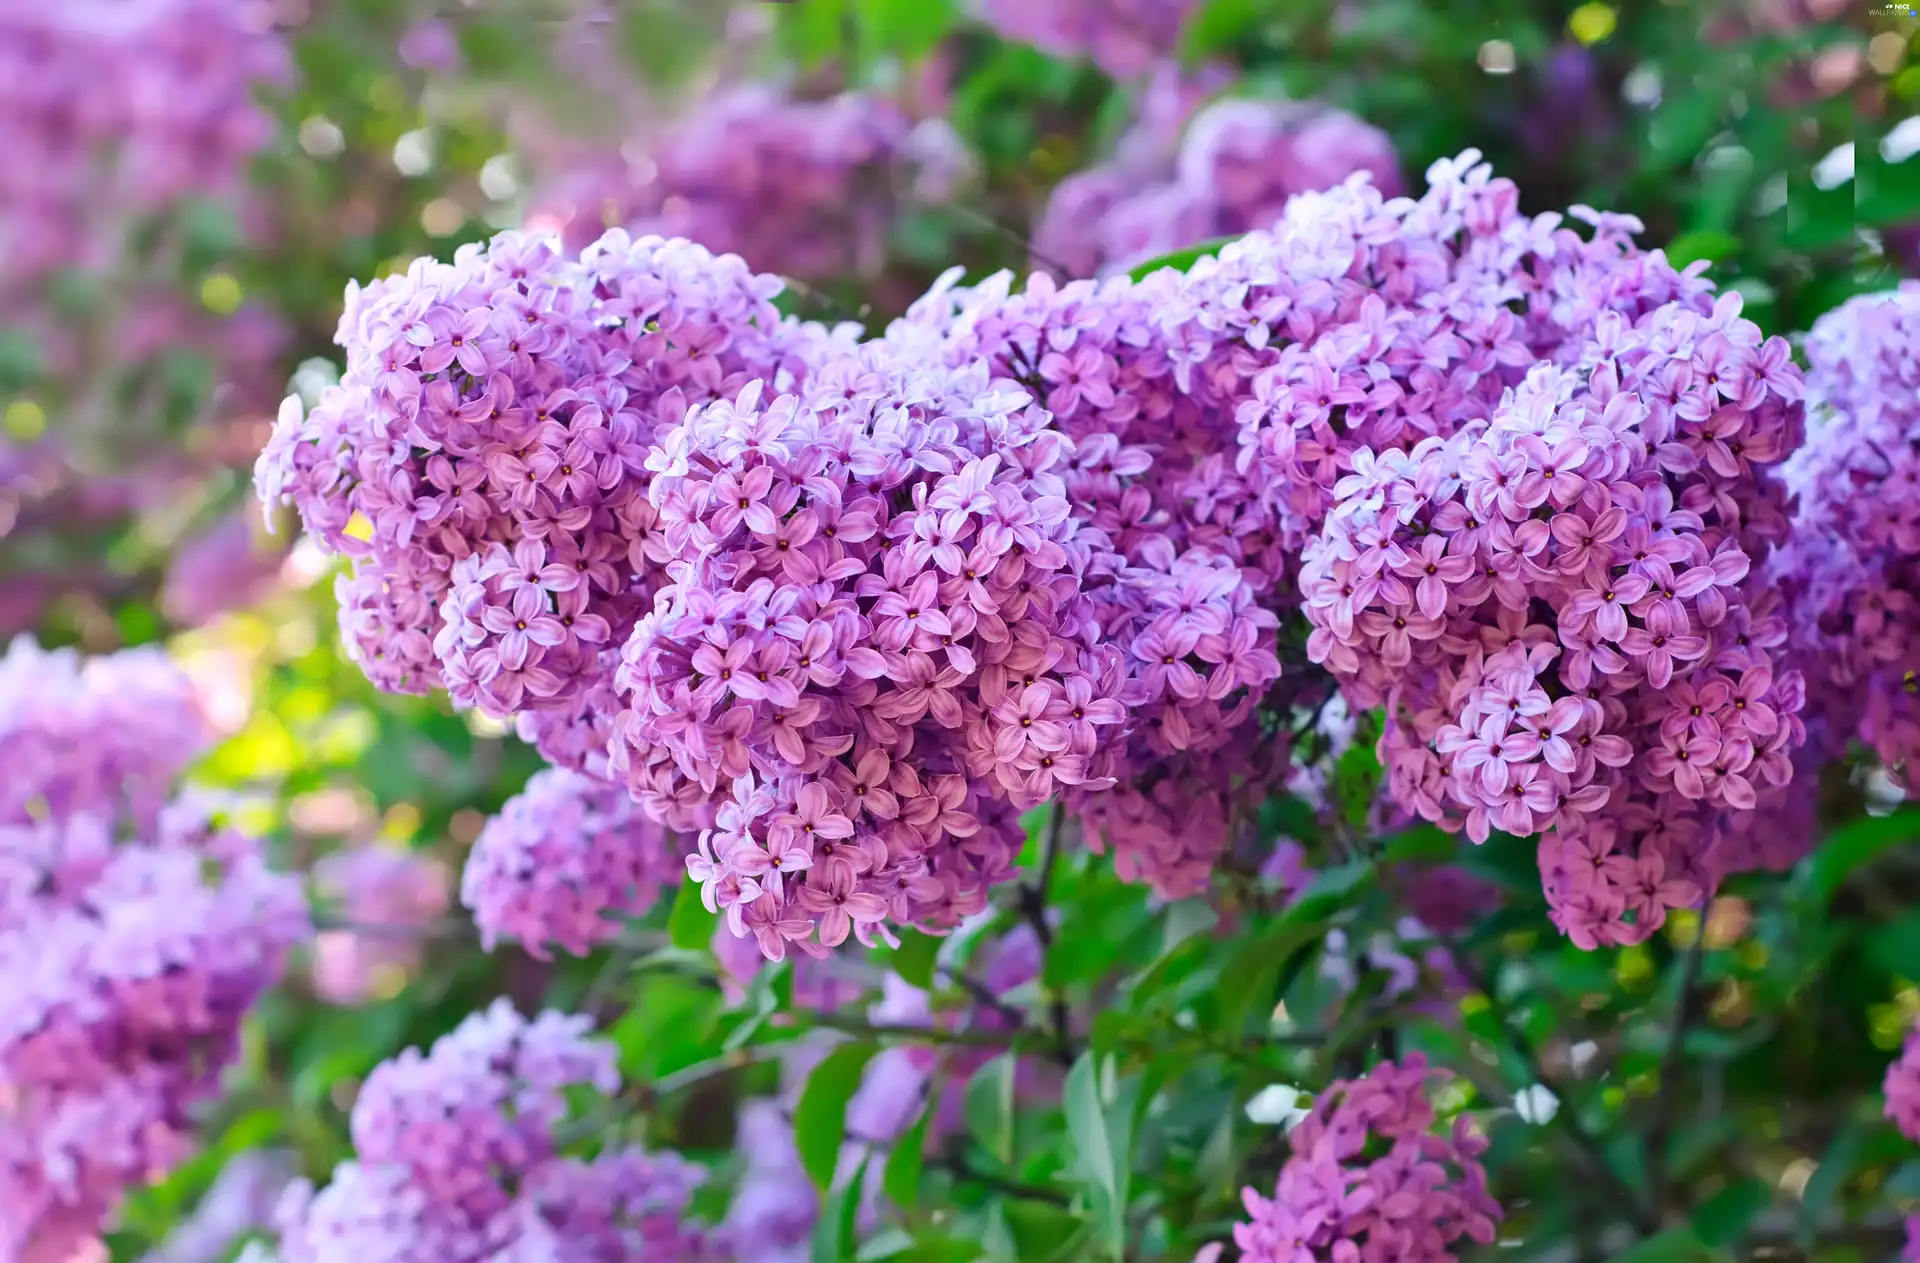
{"x":994,"y":225}
{"x":1023,"y":1039}
{"x":1033,"y":906}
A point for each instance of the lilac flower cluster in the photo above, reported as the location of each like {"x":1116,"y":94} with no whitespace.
{"x":848,"y":607}
{"x":1367,"y":322}
{"x":1551,"y":604}
{"x":385,"y":896}
{"x":803,"y":188}
{"x":1070,"y":235}
{"x":112,"y":117}
{"x":1124,"y":38}
{"x":482,"y":460}
{"x":875,"y":646}
{"x":457,"y":1159}
{"x":562,"y":861}
{"x":1903,"y":1107}
{"x":1371,"y":1181}
{"x":113,"y":109}
{"x":220,"y":568}
{"x":1188,"y":573}
{"x":1853,"y":566}
{"x":1240,"y":161}
{"x":135,"y":933}
{"x":1903,"y":1088}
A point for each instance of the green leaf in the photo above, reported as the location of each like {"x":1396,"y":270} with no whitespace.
{"x":1356,"y":783}
{"x":1254,"y":969}
{"x":690,"y":926}
{"x":1181,"y":260}
{"x":1676,"y":1245}
{"x":1102,"y":1134}
{"x":820,"y":1119}
{"x":1043,"y":1232}
{"x":1426,"y":842}
{"x":1219,"y":26}
{"x":1509,"y":862}
{"x":988,"y":1106}
{"x":1821,"y":1190}
{"x":834,"y":1231}
{"x":914,"y":959}
{"x":907,"y":29}
{"x":900,"y":1179}
{"x":1708,"y":244}
{"x":1851,"y":847}
{"x":888,"y":1243}
{"x":669,"y":1027}
{"x":814,"y":32}
{"x":1724,"y":1218}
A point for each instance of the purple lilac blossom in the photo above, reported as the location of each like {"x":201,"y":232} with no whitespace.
{"x":223,"y":567}
{"x":457,"y":1161}
{"x":483,"y":459}
{"x":1903,"y":1088}
{"x":1363,"y":326}
{"x":874,"y":647}
{"x":1370,"y":1180}
{"x":565,"y":859}
{"x":1853,"y":566}
{"x":131,"y":107}
{"x":1545,"y":604}
{"x":774,"y":1208}
{"x":114,"y":116}
{"x":135,"y":933}
{"x":1189,"y":574}
{"x":1124,"y":38}
{"x":386,"y":897}
{"x":1239,"y":162}
{"x":807,"y":189}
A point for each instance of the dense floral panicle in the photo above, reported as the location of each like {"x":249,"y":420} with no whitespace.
{"x":126,"y":106}
{"x":457,"y":1160}
{"x":93,"y":736}
{"x":807,"y":189}
{"x":874,"y":641}
{"x":1241,"y":159}
{"x":1169,"y":823}
{"x":579,"y":736}
{"x":1367,"y":322}
{"x":1370,"y":1180}
{"x":483,"y":459}
{"x":564,"y":860}
{"x":1190,"y":577}
{"x":1853,"y":566}
{"x":125,"y":970}
{"x":386,"y":898}
{"x":1554,"y":606}
{"x":1124,"y":38}
{"x":1903,"y":1088}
